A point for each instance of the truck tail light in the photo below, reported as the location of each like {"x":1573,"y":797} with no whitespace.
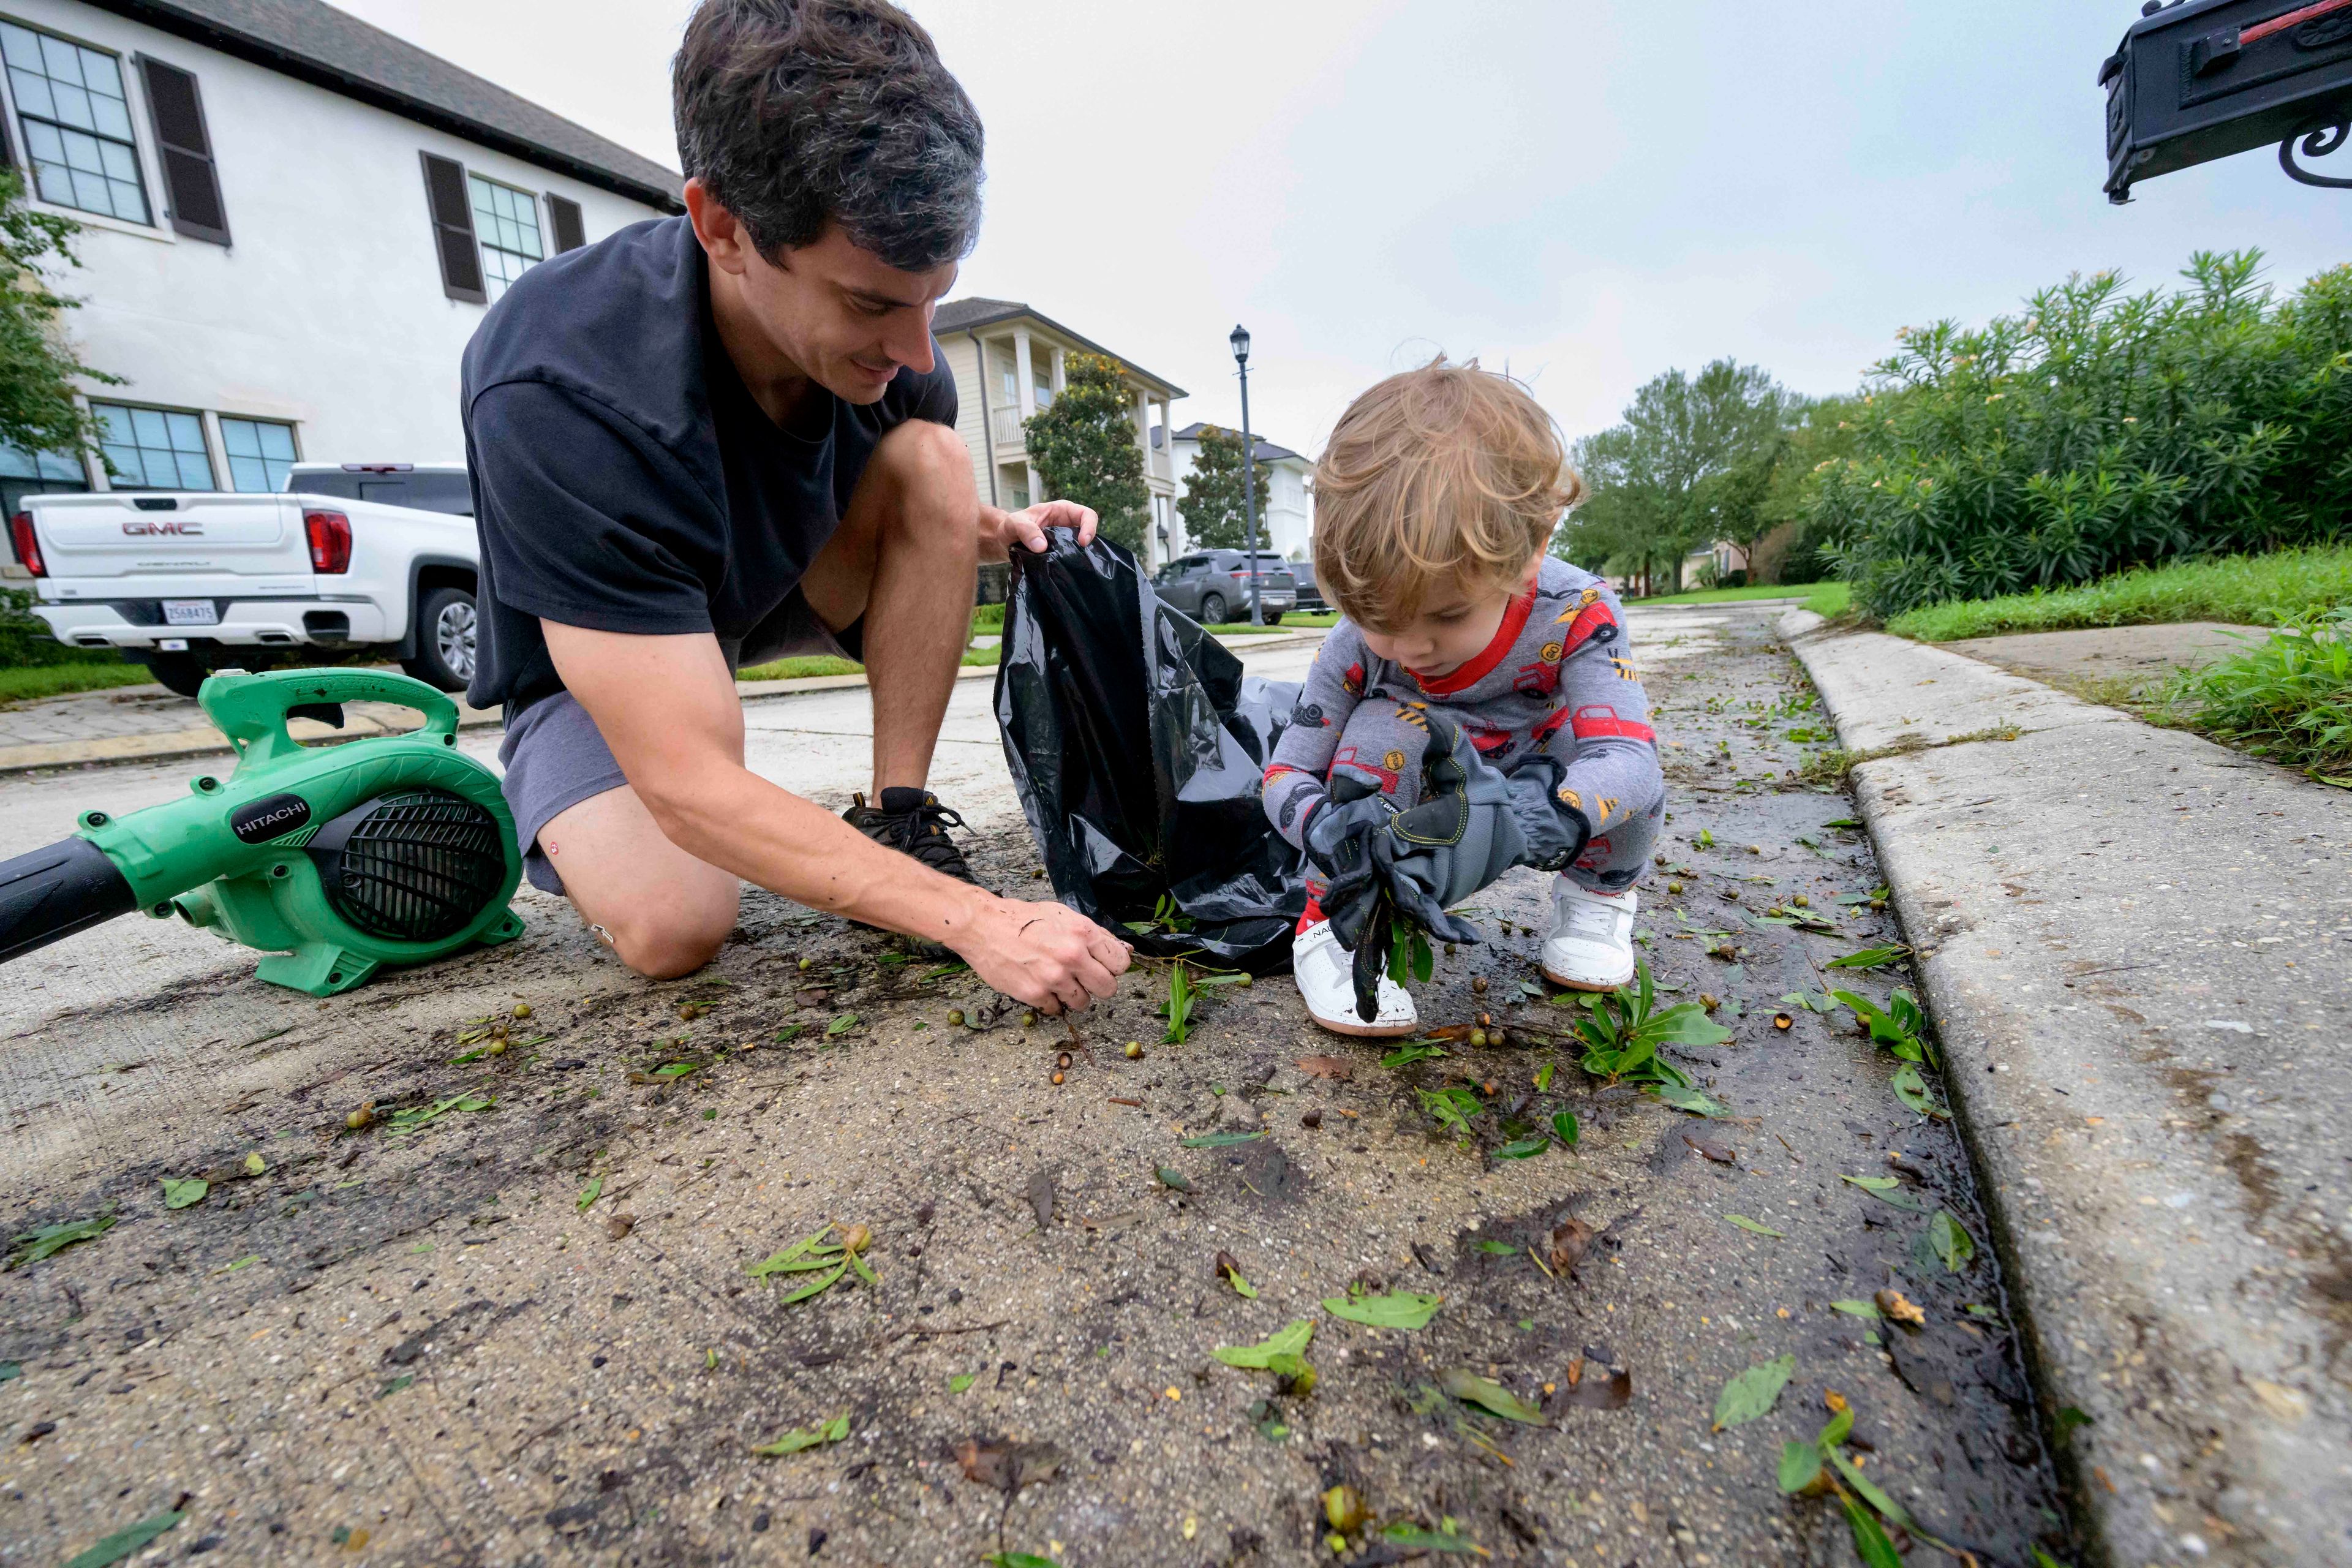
{"x":27,"y":543}
{"x":330,"y":533}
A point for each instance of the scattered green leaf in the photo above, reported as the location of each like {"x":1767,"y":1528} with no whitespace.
{"x":1869,"y":957}
{"x":254,"y":1164}
{"x":1521,"y":1148}
{"x":841,"y":1025}
{"x":1684,"y":1098}
{"x":1404,"y":1309}
{"x":1414,"y":1051}
{"x":1543,"y":1077}
{"x":32,"y":1245}
{"x":793,"y":1442}
{"x":1753,"y":1392}
{"x":1912,"y":1090}
{"x":402,"y":1123}
{"x":1564,"y":1128}
{"x":1498,"y":1248}
{"x":591,"y":1193}
{"x":1951,"y":1241}
{"x":1744,"y":1223}
{"x":963,"y":1381}
{"x":248,"y":1261}
{"x":1414,"y":1537}
{"x":1870,"y":1540}
{"x":2067,"y":1419}
{"x":1453,"y":1108}
{"x":181,"y":1193}
{"x":1018,"y":1560}
{"x":1800,"y":1465}
{"x":788,"y":1032}
{"x":124,"y":1543}
{"x":395,"y":1385}
{"x":1490,"y":1395}
{"x":1219,"y":1140}
{"x":1290,"y":1341}
{"x":1853,"y":1308}
{"x":674,"y":1069}
{"x":1887,"y":1190}
{"x":1174,"y":1179}
{"x":11,"y":1369}
{"x":1178,"y":1008}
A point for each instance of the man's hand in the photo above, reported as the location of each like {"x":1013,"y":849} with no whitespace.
{"x":1000,"y":529}
{"x":1048,"y":955}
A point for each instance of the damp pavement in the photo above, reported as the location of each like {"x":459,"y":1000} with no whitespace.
{"x":511,"y":1317}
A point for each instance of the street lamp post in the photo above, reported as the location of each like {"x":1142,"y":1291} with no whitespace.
{"x":1240,"y":339}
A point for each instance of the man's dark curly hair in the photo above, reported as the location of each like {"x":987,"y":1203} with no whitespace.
{"x":800,"y":113}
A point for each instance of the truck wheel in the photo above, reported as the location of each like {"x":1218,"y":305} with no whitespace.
{"x":182,"y":674}
{"x":1213,"y":610}
{"x":444,"y":639}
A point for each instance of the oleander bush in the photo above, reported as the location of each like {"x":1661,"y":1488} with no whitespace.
{"x":2098,"y":430}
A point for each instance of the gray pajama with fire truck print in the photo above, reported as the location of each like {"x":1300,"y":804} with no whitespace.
{"x":1556,"y":681}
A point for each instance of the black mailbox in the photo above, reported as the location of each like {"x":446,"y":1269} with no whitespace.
{"x":2200,"y":79}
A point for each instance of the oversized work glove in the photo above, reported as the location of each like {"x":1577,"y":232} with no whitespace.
{"x":1555,"y":832}
{"x":1464,"y":834}
{"x":1338,"y":840}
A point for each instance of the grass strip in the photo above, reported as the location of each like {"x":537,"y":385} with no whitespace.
{"x":2269,"y":590}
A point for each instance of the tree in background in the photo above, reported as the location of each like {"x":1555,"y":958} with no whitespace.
{"x":2094,"y":431}
{"x":1086,"y":448}
{"x":38,"y":367}
{"x":1691,"y":458}
{"x":1212,"y":494}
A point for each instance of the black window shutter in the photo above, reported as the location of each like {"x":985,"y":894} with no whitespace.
{"x":570,"y":234}
{"x":191,"y":184}
{"x":453,"y":228}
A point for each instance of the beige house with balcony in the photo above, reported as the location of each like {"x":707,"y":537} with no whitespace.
{"x":1009,"y":360}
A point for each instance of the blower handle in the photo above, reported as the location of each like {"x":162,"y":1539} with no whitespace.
{"x":252,"y":710}
{"x":57,"y":891}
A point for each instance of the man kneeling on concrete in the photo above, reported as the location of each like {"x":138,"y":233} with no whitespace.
{"x":720,"y":439}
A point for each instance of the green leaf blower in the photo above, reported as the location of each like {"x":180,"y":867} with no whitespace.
{"x":332,"y":861}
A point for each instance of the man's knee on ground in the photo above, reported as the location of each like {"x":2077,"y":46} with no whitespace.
{"x":931,"y":469}
{"x":663,"y":940}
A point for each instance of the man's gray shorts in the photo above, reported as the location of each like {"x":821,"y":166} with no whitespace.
{"x":555,"y":758}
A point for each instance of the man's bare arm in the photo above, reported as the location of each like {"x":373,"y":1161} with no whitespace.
{"x":667,"y":707}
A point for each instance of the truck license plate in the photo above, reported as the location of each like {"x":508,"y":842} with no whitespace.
{"x":191,"y":613}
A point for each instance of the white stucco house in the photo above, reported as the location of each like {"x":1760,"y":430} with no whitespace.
{"x":291,"y":223}
{"x":1287,"y":527}
{"x":1009,"y":360}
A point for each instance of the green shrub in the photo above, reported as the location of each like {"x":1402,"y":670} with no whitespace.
{"x":26,"y":642}
{"x":2289,"y":699}
{"x":2097,"y":431}
{"x":2243,"y":590}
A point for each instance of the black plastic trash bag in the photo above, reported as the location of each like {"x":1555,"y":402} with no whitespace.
{"x":1139,"y":748}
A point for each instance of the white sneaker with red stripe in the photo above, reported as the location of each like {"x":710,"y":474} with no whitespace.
{"x":1326,"y":973}
{"x":1590,"y":947}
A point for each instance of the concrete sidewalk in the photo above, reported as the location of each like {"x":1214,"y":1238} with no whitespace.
{"x":147,"y":724}
{"x":2138,"y":950}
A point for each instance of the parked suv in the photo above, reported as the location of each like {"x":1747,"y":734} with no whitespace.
{"x":1214,"y":585}
{"x":1310,"y":596}
{"x":365,"y":557}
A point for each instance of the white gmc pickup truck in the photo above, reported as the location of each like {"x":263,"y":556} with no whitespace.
{"x":367,"y":557}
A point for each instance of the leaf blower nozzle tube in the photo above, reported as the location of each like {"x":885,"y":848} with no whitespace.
{"x":54,"y":892}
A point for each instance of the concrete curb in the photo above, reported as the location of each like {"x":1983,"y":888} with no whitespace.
{"x":2135,"y":946}
{"x":362,"y":720}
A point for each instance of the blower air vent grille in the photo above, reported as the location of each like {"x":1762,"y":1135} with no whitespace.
{"x":415,"y":867}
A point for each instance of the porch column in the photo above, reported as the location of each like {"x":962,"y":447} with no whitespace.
{"x":1151,"y":520}
{"x":1026,"y":389}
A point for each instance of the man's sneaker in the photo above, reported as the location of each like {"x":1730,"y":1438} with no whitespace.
{"x":1326,"y":973}
{"x":914,"y":822}
{"x":1590,"y":947}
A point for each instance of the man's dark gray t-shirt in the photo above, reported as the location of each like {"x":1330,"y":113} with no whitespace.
{"x":624,"y":478}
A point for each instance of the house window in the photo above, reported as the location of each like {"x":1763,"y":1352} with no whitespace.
{"x":26,"y":474}
{"x":260,"y":452}
{"x":507,"y":223}
{"x":154,"y":448}
{"x":1043,"y":380}
{"x":1008,"y":380}
{"x":76,"y":124}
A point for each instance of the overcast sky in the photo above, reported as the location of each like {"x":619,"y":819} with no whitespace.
{"x":1589,"y":191}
